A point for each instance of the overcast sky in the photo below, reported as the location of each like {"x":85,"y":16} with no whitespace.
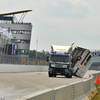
{"x":60,"y":22}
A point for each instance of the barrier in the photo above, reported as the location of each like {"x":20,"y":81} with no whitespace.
{"x":78,"y":90}
{"x":74,"y":91}
{"x":95,"y":76}
{"x":89,"y":87}
{"x":7,"y":68}
{"x":63,"y":93}
{"x":83,"y":90}
{"x":92,"y":91}
{"x":47,"y":94}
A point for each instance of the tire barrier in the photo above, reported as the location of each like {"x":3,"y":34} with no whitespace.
{"x":83,"y":90}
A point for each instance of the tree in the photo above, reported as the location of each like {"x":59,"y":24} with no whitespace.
{"x":40,"y":55}
{"x":32,"y":54}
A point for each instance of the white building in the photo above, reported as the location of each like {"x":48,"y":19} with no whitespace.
{"x":21,"y":31}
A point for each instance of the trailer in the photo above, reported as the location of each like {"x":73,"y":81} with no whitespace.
{"x":79,"y":68}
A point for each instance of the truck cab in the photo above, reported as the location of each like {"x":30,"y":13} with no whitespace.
{"x":59,"y":62}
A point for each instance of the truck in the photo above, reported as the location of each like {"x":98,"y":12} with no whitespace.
{"x":64,"y":60}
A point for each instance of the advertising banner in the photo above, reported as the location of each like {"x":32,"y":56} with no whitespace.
{"x":96,"y":53}
{"x":13,"y":49}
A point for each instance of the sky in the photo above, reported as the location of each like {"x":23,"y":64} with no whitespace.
{"x":60,"y":22}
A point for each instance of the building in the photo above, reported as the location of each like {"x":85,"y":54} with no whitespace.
{"x":21,"y":31}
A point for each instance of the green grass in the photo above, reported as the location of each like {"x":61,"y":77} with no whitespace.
{"x":97,"y":97}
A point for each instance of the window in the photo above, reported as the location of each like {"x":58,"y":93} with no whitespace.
{"x":23,"y":52}
{"x":21,"y":32}
{"x":58,"y":58}
{"x":6,"y":21}
{"x":20,"y":41}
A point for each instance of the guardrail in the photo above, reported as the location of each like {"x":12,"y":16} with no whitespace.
{"x":83,"y":90}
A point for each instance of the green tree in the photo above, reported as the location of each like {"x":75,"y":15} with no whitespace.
{"x":40,"y":55}
{"x":32,"y":54}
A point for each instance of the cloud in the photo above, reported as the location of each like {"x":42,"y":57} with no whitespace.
{"x":59,"y":21}
{"x":68,"y":8}
{"x":80,"y":3}
{"x":54,"y":3}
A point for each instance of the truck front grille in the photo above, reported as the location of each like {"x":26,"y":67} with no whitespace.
{"x":59,"y":70}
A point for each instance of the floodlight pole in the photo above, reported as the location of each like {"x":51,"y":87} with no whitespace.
{"x":4,"y":45}
{"x":36,"y":47}
{"x":7,"y":47}
{"x":1,"y":43}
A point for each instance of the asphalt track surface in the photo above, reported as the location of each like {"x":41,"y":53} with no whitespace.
{"x":17,"y":85}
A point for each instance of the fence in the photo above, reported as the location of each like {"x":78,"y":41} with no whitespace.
{"x":10,"y":59}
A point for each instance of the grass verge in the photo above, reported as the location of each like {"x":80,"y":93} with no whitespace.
{"x":97,"y":97}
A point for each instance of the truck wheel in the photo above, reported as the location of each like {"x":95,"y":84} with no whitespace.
{"x":69,"y":75}
{"x":66,"y":76}
{"x":54,"y":75}
{"x":50,"y":75}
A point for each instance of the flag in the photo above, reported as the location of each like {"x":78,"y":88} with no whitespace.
{"x":10,"y":35}
{"x":1,"y":31}
{"x":4,"y":31}
{"x":7,"y":35}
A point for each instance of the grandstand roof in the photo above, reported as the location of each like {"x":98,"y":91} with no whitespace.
{"x":17,"y":12}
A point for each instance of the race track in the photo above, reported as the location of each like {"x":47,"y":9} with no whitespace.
{"x":16,"y":85}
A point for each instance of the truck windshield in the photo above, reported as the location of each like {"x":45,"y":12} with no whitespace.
{"x":56,"y":58}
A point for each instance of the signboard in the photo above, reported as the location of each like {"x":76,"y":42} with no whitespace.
{"x":96,"y":53}
{"x":13,"y":49}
